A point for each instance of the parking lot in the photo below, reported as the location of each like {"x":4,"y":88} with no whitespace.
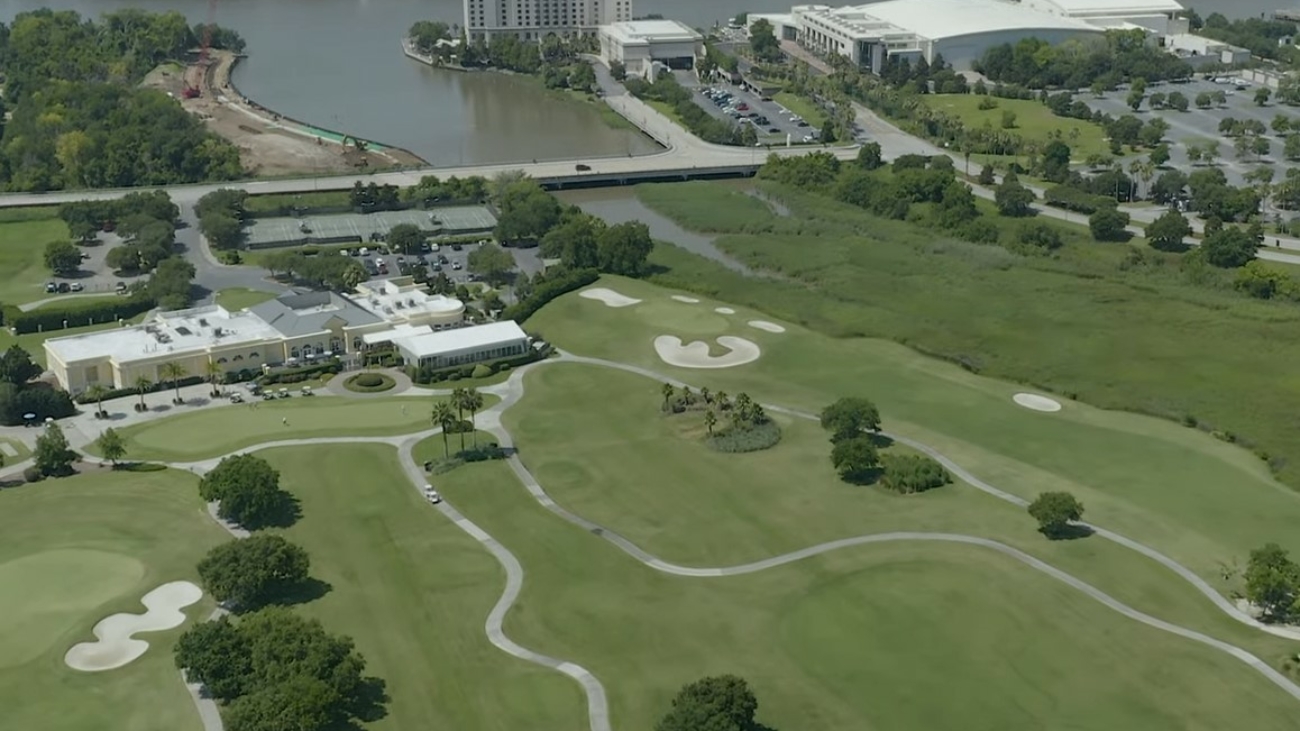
{"x":1200,"y":125}
{"x":94,"y":276}
{"x":775,"y":124}
{"x":452,"y":260}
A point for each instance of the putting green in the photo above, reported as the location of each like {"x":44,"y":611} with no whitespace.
{"x":48,"y":594}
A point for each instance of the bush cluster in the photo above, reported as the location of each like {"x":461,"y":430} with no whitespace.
{"x":369,"y":383}
{"x":44,"y":402}
{"x":563,"y":283}
{"x":746,"y":439}
{"x":1072,"y":198}
{"x":911,"y":473}
{"x":95,"y":312}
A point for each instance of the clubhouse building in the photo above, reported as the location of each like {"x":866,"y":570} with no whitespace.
{"x":292,"y":330}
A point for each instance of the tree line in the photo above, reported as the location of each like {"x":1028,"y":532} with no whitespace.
{"x":269,"y":668}
{"x":1117,"y":56}
{"x":77,"y":118}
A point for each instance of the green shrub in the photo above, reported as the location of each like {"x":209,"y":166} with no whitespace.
{"x":911,"y":473}
{"x":33,"y":474}
{"x":79,"y":314}
{"x":481,"y":453}
{"x":139,"y":467}
{"x":297,"y":375}
{"x":369,"y":383}
{"x":746,"y":439}
{"x":562,"y":284}
{"x":481,"y":370}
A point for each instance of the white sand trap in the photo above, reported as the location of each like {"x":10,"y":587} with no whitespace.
{"x":115,"y":645}
{"x":696,"y":354}
{"x":1036,"y":402}
{"x":724,"y":310}
{"x":771,"y":327}
{"x":687,"y":300}
{"x":608,"y":296}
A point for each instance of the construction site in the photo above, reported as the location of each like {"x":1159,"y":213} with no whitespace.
{"x":269,"y":144}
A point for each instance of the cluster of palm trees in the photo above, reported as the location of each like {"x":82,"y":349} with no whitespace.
{"x":449,"y":415}
{"x":743,"y":412}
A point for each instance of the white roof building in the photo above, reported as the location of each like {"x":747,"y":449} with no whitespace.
{"x":639,"y":44}
{"x":290,"y":330}
{"x":961,"y":30}
{"x":462,"y":345}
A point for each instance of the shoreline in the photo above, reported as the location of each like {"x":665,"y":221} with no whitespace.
{"x":306,"y":129}
{"x":218,"y":80}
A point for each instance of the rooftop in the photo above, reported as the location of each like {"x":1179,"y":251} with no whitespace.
{"x":402,"y":299}
{"x":303,"y":314}
{"x":1127,"y":7}
{"x":652,"y":31}
{"x":465,"y":338}
{"x":177,"y":332}
{"x":936,"y":19}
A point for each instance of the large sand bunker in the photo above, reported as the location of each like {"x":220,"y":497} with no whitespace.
{"x":1036,"y":402}
{"x":115,"y":646}
{"x":696,"y":354}
{"x":771,"y":327}
{"x":607,"y":296}
{"x":687,"y":300}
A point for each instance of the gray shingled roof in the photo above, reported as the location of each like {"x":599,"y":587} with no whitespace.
{"x":302,"y":314}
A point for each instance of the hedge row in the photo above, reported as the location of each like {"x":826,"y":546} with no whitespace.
{"x":80,"y":314}
{"x":427,"y":375}
{"x":296,"y":375}
{"x":44,"y":402}
{"x":84,"y":398}
{"x":547,"y":291}
{"x":1073,"y":199}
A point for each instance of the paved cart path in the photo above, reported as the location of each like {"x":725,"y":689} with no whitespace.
{"x":512,"y":391}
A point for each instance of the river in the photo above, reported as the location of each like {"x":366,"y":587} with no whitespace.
{"x":337,"y":63}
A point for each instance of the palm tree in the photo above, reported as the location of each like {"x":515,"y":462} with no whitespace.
{"x":443,"y":417}
{"x":458,"y":402}
{"x":721,"y":398}
{"x":473,"y":402}
{"x":704,"y":394}
{"x":142,"y":385}
{"x":97,"y":391}
{"x":668,"y":391}
{"x":710,"y":419}
{"x":214,"y":372}
{"x":174,"y":372}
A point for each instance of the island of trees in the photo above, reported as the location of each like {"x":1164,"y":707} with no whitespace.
{"x":77,"y":118}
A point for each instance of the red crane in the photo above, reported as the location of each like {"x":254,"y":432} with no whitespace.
{"x":192,"y":91}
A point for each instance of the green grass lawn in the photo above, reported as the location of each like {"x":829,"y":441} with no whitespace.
{"x":74,"y":551}
{"x":1034,"y":121}
{"x":1200,"y":500}
{"x":413,"y":590}
{"x":272,"y":202}
{"x":201,"y":433}
{"x":721,"y":210}
{"x":863,"y":639}
{"x":811,"y":113}
{"x":239,"y":298}
{"x":24,"y":232}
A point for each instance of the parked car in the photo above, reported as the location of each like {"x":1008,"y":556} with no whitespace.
{"x":456,"y":265}
{"x":64,"y":288}
{"x":456,"y":247}
{"x":76,"y":287}
{"x":236,"y":398}
{"x":51,"y":287}
{"x":121,"y":287}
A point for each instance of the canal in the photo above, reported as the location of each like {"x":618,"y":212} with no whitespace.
{"x":337,"y":64}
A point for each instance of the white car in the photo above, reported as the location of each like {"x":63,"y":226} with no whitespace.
{"x":432,"y":494}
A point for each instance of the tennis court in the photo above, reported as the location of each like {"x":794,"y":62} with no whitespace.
{"x":451,"y":220}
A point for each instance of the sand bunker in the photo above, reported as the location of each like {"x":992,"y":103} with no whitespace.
{"x":724,"y":310}
{"x":115,"y":645}
{"x":608,"y":296}
{"x":696,"y":354}
{"x":1036,"y":402}
{"x":771,"y":327}
{"x":687,"y":300}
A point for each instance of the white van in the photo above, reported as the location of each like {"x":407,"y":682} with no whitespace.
{"x":365,"y":251}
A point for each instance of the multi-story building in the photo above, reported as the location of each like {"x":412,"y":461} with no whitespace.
{"x":530,"y":20}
